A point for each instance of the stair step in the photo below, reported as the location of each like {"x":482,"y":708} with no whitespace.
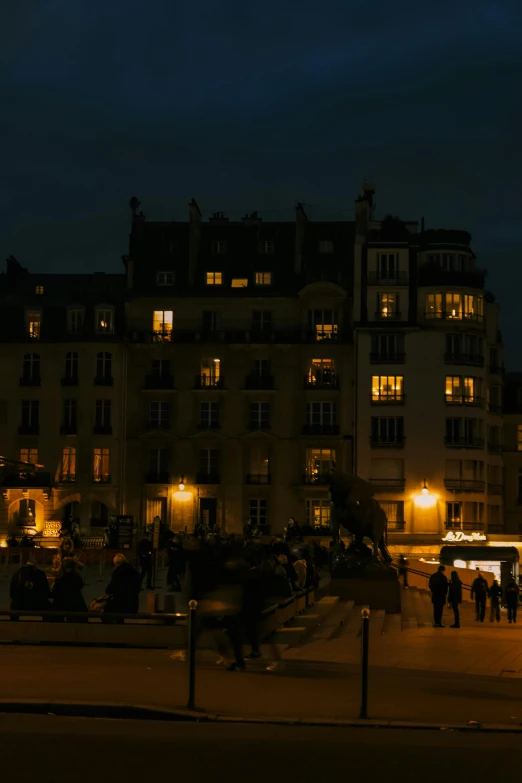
{"x":392,"y":623}
{"x":352,"y":626}
{"x":288,"y":635}
{"x":331,"y":624}
{"x":377,"y":622}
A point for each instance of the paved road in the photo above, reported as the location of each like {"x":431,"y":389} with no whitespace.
{"x":102,"y":751}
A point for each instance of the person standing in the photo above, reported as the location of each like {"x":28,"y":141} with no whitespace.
{"x":480,"y":591}
{"x":124,"y":588}
{"x":146,"y":558}
{"x":495,"y":596}
{"x":455,"y":597}
{"x":439,"y":589}
{"x":512,"y":597}
{"x":67,"y":589}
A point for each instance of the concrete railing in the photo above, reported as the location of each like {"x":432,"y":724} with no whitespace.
{"x":419,"y":573}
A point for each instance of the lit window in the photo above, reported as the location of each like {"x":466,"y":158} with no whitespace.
{"x":214,"y":278}
{"x":33,"y":323}
{"x":318,"y":464}
{"x":318,"y":513}
{"x":266,"y":246}
{"x":101,"y":472}
{"x":104,"y":321}
{"x":326,"y":246}
{"x":388,"y":306}
{"x":162,"y":325}
{"x":165,"y":278}
{"x":453,"y":306}
{"x":258,"y":511}
{"x":69,"y":463}
{"x":462,"y":390}
{"x":324,"y":324}
{"x":387,"y":388}
{"x":219,"y":247}
{"x":321,"y":373}
{"x":29,"y":455}
{"x":39,"y":290}
{"x":394,"y":510}
{"x":74,"y":320}
{"x":210,"y":372}
{"x":519,"y":437}
{"x":239,"y":282}
{"x":263,"y":278}
{"x":434,"y":306}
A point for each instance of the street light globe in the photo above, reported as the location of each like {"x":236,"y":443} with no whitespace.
{"x":181,"y":486}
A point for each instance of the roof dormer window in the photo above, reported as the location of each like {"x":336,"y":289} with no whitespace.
{"x":266,"y":246}
{"x":164,"y":278}
{"x":39,"y":290}
{"x":219,"y":247}
{"x":325,"y":246}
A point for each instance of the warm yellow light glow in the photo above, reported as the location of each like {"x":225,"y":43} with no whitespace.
{"x":239,"y":282}
{"x":460,"y":564}
{"x":425,"y":498}
{"x":182,"y":497}
{"x":3,"y":543}
{"x":181,"y":486}
{"x":217,"y":361}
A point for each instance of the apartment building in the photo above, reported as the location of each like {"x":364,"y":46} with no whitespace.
{"x":512,"y":453}
{"x":239,"y":368}
{"x":429,"y":383}
{"x":62,"y":383}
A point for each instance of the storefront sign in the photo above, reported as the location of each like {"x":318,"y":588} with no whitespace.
{"x":52,"y":528}
{"x":459,"y":537}
{"x":125,"y":527}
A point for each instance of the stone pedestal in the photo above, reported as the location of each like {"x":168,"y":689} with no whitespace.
{"x":378,"y":589}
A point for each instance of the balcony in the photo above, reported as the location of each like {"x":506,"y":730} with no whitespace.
{"x":30,"y":380}
{"x":495,"y":448}
{"x":261,"y":336}
{"x":157,"y":382}
{"x":456,"y":524}
{"x":205,"y":382}
{"x":392,"y":398}
{"x":319,"y":335}
{"x":385,"y":484}
{"x":162,"y":337}
{"x":70,"y":380}
{"x":67,"y":478}
{"x":433,"y":274}
{"x":386,"y":443}
{"x":495,"y":489}
{"x":460,"y":442}
{"x":463,"y":485}
{"x":98,"y":479}
{"x":255,"y":425}
{"x":396,"y":526}
{"x":316,"y":479}
{"x":475,"y":360}
{"x":259,"y":382}
{"x":321,"y":429}
{"x":390,"y":278}
{"x":389,"y":316}
{"x":208,"y":478}
{"x":494,"y":407}
{"x":321,"y":382}
{"x":102,"y":429}
{"x":387,"y":358}
{"x":439,"y":315}
{"x":258,"y":478}
{"x":103,"y":380}
{"x":463,"y":399}
{"x":69,"y":429}
{"x":157,"y":477}
{"x":28,"y":429}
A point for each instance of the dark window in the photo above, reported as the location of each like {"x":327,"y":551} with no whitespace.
{"x":261,"y":367}
{"x":258,"y":511}
{"x":208,"y":461}
{"x":70,"y":413}
{"x":71,"y":364}
{"x":260,"y":415}
{"x":31,"y":369}
{"x":209,"y":414}
{"x":103,"y":364}
{"x":159,"y":414}
{"x":387,"y":429}
{"x":159,"y":460}
{"x":209,"y":320}
{"x":103,"y":413}
{"x":161,"y":368}
{"x":320,"y":412}
{"x":262,"y":320}
{"x":30,"y":413}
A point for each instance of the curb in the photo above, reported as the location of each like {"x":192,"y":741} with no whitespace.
{"x":113,"y":711}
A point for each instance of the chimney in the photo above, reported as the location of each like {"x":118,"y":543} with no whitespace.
{"x":301,"y":222}
{"x":218,"y":217}
{"x":364,"y":212}
{"x":252,"y":218}
{"x":195,"y":239}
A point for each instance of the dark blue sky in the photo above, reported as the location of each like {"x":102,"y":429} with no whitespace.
{"x":248,"y":105}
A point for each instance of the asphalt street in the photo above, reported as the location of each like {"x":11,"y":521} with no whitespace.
{"x":54,"y":750}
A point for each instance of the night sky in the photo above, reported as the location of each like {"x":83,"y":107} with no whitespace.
{"x":258,"y":105}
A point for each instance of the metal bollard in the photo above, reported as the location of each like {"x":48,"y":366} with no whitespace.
{"x":193,"y":605}
{"x":365,"y":638}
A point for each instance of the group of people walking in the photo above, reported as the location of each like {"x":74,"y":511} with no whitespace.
{"x":444,"y":591}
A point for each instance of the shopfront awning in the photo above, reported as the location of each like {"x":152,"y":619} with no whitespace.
{"x":501,"y":554}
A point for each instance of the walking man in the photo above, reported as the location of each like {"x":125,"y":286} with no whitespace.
{"x":480,"y":592}
{"x":512,"y":596}
{"x":495,"y":594}
{"x":439,"y":590}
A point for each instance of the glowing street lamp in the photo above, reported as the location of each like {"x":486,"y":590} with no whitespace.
{"x":425,"y":499}
{"x":181,"y":484}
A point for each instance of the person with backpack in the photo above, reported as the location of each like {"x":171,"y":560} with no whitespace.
{"x":495,"y":596}
{"x":439,"y":589}
{"x":29,"y":589}
{"x":480,"y":591}
{"x":512,"y":598}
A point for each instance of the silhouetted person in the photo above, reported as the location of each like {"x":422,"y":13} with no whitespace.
{"x":176,"y":567}
{"x":146,"y":558}
{"x":512,"y":597}
{"x":455,"y":597}
{"x":495,"y":593}
{"x":480,"y":591}
{"x":439,"y":589}
{"x":403,"y":570}
{"x":124,"y":588}
{"x":67,"y":589}
{"x":29,"y":589}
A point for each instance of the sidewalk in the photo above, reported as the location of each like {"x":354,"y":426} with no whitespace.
{"x":303,"y":691}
